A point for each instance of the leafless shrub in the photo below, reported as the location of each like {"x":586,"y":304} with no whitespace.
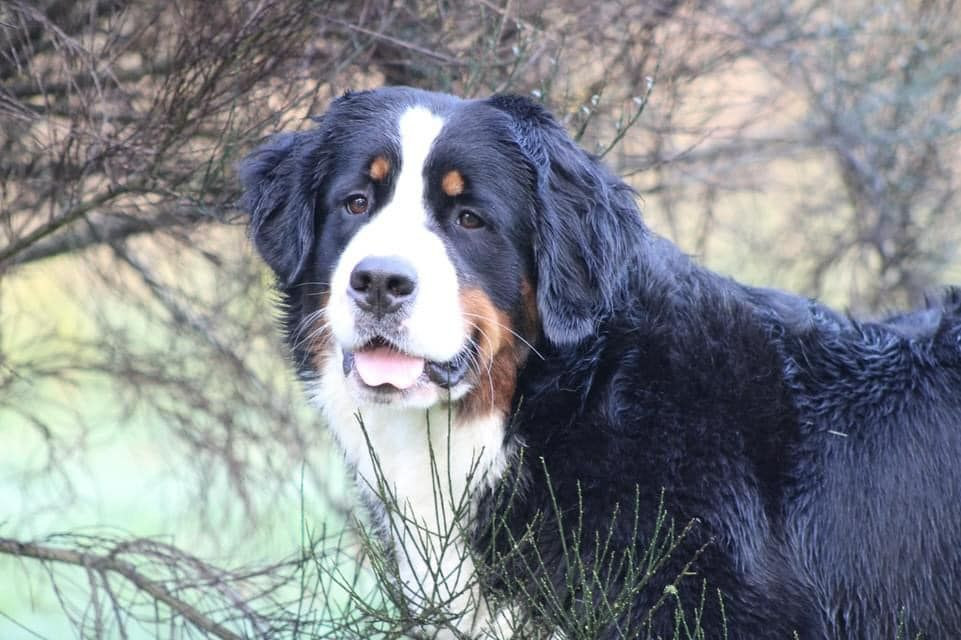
{"x":830,"y":130}
{"x":816,"y":139}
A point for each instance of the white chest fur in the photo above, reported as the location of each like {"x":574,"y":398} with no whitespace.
{"x":428,"y":463}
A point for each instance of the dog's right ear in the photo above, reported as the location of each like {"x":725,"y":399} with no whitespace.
{"x":281,"y":180}
{"x":587,"y":229}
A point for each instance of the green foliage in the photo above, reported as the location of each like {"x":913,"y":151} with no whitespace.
{"x":379,"y":596}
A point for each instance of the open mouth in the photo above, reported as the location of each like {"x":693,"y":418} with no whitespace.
{"x":380,"y":365}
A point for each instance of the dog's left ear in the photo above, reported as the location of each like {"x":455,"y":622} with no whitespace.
{"x":280,"y":181}
{"x":587,"y":229}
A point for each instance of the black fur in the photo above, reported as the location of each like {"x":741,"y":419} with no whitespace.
{"x":585,"y":226}
{"x":816,"y":458}
{"x":279,"y":179}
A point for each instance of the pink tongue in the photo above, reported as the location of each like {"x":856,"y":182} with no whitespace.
{"x":386,"y":366}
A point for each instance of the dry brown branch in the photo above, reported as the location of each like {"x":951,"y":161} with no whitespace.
{"x":106,"y":563}
{"x":67,"y":217}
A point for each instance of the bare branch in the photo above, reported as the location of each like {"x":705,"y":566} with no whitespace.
{"x":66,"y":217}
{"x":108,"y":563}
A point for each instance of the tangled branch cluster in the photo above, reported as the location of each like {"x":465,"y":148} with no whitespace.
{"x":120,"y":125}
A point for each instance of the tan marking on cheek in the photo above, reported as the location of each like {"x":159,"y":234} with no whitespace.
{"x":452,"y":183}
{"x":482,"y":315}
{"x":530,"y":316}
{"x":496,"y":355}
{"x":318,"y":346}
{"x":379,"y":169}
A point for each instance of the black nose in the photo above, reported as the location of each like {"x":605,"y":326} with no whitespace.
{"x":382,"y":284}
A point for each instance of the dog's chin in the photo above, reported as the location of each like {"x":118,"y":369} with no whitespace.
{"x":423,"y":395}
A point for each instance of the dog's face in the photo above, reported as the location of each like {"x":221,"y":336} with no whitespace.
{"x":426,"y":256}
{"x":425,"y":243}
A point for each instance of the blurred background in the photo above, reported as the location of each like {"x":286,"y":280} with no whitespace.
{"x":155,"y":451}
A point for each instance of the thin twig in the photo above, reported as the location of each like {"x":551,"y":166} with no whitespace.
{"x":108,"y":563}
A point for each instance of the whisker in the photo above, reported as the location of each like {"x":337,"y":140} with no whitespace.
{"x":316,"y":333}
{"x":321,"y":330}
{"x":490,"y":362}
{"x":312,"y":284}
{"x":506,"y":328}
{"x":309,"y":321}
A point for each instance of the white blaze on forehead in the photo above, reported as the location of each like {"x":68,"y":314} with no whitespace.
{"x":434,"y":327}
{"x":418,"y":129}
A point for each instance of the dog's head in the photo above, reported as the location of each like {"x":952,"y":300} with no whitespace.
{"x":424,"y":243}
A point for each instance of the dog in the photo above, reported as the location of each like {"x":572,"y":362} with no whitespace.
{"x":470,"y":297}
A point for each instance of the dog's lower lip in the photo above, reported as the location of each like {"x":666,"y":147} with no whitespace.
{"x":448,"y":374}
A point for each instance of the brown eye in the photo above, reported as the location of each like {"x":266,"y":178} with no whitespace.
{"x":469,"y":220}
{"x":357,"y":205}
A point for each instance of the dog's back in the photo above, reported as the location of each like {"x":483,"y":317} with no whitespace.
{"x":876,"y":523}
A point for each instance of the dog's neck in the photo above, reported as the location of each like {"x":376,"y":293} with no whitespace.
{"x":421,"y":470}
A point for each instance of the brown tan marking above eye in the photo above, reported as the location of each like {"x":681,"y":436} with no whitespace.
{"x":452,"y":183}
{"x":379,"y":169}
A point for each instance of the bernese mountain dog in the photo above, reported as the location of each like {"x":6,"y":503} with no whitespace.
{"x":477,"y":308}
